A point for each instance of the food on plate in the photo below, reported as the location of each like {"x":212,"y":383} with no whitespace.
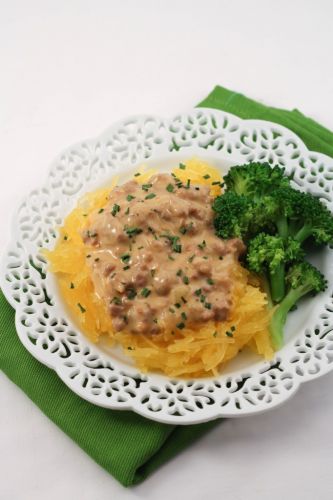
{"x":140,"y":264}
{"x":275,"y":220}
{"x":184,"y":269}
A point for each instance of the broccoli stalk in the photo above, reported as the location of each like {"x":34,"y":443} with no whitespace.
{"x":268,"y":255}
{"x":302,"y":278}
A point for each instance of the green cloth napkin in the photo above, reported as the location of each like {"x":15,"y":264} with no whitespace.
{"x":125,"y":444}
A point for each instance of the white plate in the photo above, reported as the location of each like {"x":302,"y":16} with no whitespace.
{"x":104,"y":376}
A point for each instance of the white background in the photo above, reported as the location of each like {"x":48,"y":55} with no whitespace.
{"x":68,"y":69}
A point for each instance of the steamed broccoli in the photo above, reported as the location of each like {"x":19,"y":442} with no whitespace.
{"x":312,"y":218}
{"x":302,"y":278}
{"x":268,"y":255}
{"x":233,"y":215}
{"x":255,"y":179}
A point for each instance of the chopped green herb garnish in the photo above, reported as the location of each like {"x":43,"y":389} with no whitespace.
{"x":177,"y":305}
{"x":115,"y":209}
{"x":188,"y":183}
{"x":140,"y":248}
{"x":65,"y":237}
{"x":116,"y":300}
{"x":210,"y":281}
{"x":190,"y":259}
{"x":131,"y":294}
{"x":127,"y":211}
{"x":170,"y":257}
{"x":82,"y":309}
{"x":132,"y":231}
{"x":229,"y":334}
{"x":101,"y":210}
{"x":220,"y":258}
{"x":215,"y":334}
{"x":130,"y":348}
{"x":125,"y":257}
{"x":180,"y":326}
{"x":176,"y":247}
{"x":137,"y":174}
{"x":207,"y":176}
{"x":97,"y":259}
{"x":145,"y":292}
{"x":183,"y":315}
{"x":152,"y":272}
{"x":145,"y":187}
{"x":171,"y":309}
{"x":183,"y":299}
{"x":202,"y":299}
{"x":182,"y":230}
{"x":233,"y":328}
{"x":129,"y":197}
{"x":88,"y":256}
{"x":150,"y":196}
{"x":186,"y":280}
{"x":182,"y":166}
{"x":71,"y":285}
{"x":126,"y":268}
{"x":216,"y":183}
{"x":202,"y":245}
{"x":84,"y":215}
{"x":179,"y":272}
{"x":208,"y":305}
{"x":198,"y":292}
{"x":170,"y":188}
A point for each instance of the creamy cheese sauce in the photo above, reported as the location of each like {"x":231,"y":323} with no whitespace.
{"x":155,"y":258}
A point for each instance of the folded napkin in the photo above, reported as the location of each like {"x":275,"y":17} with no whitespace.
{"x":125,"y":444}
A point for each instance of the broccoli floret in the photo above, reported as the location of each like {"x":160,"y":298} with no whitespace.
{"x":268,"y":255}
{"x":302,"y":278}
{"x":255,"y":178}
{"x":233,"y":215}
{"x":312,"y":218}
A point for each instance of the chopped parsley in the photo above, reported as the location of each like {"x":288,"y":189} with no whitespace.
{"x":179,"y":272}
{"x":82,"y":309}
{"x":145,"y":292}
{"x":170,"y":188}
{"x":150,"y":196}
{"x":97,"y":259}
{"x":125,"y":257}
{"x":65,"y":237}
{"x":131,"y":293}
{"x":186,"y":280}
{"x":208,"y":305}
{"x":190,"y":259}
{"x":229,"y":334}
{"x":180,"y":326}
{"x":188,"y":183}
{"x":71,"y":285}
{"x":171,"y":309}
{"x":132,"y":231}
{"x":127,"y":211}
{"x":137,"y":174}
{"x":207,"y":176}
{"x":183,"y":315}
{"x":174,"y":240}
{"x":210,"y":281}
{"x":115,"y":209}
{"x":216,"y":183}
{"x":215,"y":334}
{"x":152,"y":272}
{"x":88,"y":256}
{"x":126,"y":268}
{"x":177,"y":305}
{"x":183,"y":300}
{"x":129,"y":197}
{"x":170,"y":257}
{"x":182,"y":166}
{"x":101,"y":210}
{"x":198,"y":292}
{"x":202,"y":245}
{"x":116,"y":300}
{"x":145,"y":187}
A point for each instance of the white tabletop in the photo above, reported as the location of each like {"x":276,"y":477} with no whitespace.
{"x":69,"y":68}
